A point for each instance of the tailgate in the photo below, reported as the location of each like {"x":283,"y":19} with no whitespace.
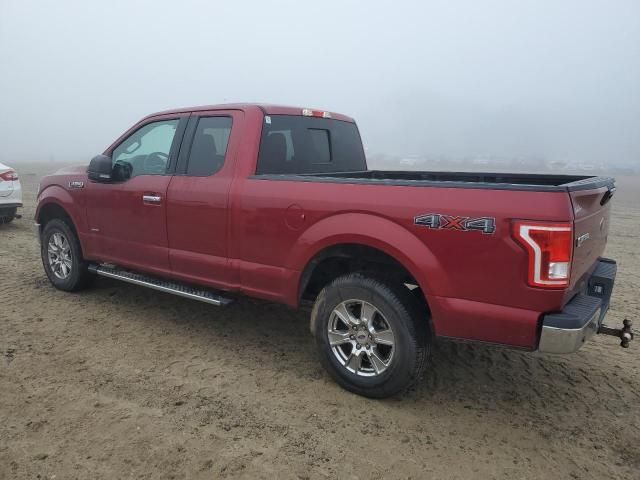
{"x":591,"y":208}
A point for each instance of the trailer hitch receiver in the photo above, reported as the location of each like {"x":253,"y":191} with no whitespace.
{"x":624,"y":334}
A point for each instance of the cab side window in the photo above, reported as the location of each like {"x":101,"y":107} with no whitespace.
{"x":146,"y":151}
{"x":209,"y":146}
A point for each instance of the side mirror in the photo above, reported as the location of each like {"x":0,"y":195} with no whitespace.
{"x":121,"y":171}
{"x":100,"y":169}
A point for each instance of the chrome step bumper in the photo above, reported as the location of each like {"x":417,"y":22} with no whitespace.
{"x":176,"y":288}
{"x":583,"y":317}
{"x":567,"y":331}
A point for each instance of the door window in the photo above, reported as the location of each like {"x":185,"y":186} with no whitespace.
{"x":209,"y":146}
{"x":146,"y":151}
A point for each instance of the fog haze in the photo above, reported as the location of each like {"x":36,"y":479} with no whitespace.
{"x":528,"y":79}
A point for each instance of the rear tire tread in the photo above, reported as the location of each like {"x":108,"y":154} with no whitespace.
{"x":409,"y":313}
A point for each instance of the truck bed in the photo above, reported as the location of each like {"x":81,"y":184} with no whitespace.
{"x":493,"y":181}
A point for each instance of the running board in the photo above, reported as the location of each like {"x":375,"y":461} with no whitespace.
{"x":180,"y":289}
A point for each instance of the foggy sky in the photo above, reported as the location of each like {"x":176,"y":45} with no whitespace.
{"x":558,"y":79}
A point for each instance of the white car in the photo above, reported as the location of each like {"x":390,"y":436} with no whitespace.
{"x":10,"y":194}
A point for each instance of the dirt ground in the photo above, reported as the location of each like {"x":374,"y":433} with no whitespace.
{"x":123,"y":382}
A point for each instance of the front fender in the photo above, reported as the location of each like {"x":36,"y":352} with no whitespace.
{"x":376,"y":232}
{"x":55,"y":194}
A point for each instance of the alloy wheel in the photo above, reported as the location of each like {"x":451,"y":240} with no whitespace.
{"x":361,"y":338}
{"x":59,"y":255}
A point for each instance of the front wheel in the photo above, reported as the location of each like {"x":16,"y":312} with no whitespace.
{"x":62,"y":257}
{"x":372,"y":337}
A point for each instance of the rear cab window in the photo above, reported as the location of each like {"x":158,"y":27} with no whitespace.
{"x":293,"y":144}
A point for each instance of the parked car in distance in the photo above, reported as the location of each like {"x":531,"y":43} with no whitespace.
{"x":277,"y":203}
{"x":10,"y":194}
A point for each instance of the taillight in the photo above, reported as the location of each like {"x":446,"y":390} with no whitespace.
{"x":549,"y":246}
{"x":9,"y":175}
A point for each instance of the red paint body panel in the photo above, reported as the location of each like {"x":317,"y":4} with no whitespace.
{"x":487,"y":270}
{"x":126,"y":229}
{"x":241,"y":232}
{"x":55,"y":191}
{"x":461,"y":318}
{"x":263,"y":108}
{"x":198,"y":218}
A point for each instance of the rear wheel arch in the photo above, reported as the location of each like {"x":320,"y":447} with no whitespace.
{"x":369,"y":230}
{"x":343,"y":258}
{"x":329,"y":235}
{"x":338,"y":260}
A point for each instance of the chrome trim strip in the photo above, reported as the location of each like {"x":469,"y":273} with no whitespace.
{"x":568,"y":340}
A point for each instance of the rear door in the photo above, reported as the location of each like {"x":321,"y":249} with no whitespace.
{"x":592,"y":209}
{"x":198,"y":199}
{"x":127,"y":218}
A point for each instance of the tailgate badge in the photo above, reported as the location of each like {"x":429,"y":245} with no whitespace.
{"x":581,"y":239}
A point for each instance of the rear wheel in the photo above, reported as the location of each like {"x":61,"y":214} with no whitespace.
{"x":372,"y":337}
{"x":62,"y":257}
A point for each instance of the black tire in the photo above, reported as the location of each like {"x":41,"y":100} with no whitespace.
{"x":7,"y":215}
{"x":402,"y":313}
{"x":79,"y":276}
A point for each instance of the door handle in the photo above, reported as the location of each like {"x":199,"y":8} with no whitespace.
{"x":151,"y":198}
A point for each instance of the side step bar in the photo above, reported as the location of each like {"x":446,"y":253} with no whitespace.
{"x":180,"y":289}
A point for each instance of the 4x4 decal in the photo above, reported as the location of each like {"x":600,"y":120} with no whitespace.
{"x":437,"y":221}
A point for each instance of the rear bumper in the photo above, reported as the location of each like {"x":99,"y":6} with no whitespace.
{"x":582,"y":317}
{"x":8,"y":205}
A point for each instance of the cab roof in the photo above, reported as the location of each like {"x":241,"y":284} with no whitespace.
{"x":266,"y":109}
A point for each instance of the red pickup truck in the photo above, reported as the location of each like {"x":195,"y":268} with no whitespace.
{"x":277,"y":203}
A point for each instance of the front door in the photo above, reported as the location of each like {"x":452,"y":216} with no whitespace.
{"x":127,"y":217}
